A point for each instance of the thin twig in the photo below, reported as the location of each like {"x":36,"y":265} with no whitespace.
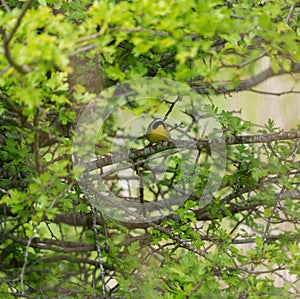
{"x":78,"y":260}
{"x":99,"y":254}
{"x":221,"y":88}
{"x":54,"y":245}
{"x":18,"y":22}
{"x":183,"y":243}
{"x":5,"y":70}
{"x":195,"y":288}
{"x":26,"y":257}
{"x":10,"y":104}
{"x":82,"y":50}
{"x":7,"y":8}
{"x":88,"y":38}
{"x":245,"y":63}
{"x":291,"y":11}
{"x":29,"y":242}
{"x":278,"y":94}
{"x":36,"y":142}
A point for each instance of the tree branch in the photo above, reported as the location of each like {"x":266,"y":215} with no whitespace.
{"x":7,"y":39}
{"x":263,"y":138}
{"x":202,"y":214}
{"x":291,"y":11}
{"x":55,"y":245}
{"x":10,"y":104}
{"x":135,"y":155}
{"x":36,"y":142}
{"x":278,"y":94}
{"x":64,"y":257}
{"x":246,"y":84}
{"x":18,"y":22}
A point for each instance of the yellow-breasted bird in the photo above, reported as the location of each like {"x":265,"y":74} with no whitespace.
{"x":157,"y":131}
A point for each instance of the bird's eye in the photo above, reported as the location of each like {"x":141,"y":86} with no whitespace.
{"x":157,"y":123}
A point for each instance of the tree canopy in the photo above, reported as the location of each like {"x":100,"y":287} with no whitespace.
{"x":90,"y":209}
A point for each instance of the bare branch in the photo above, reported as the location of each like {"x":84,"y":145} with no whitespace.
{"x":26,"y":254}
{"x":263,"y":138}
{"x":278,"y":94}
{"x":65,"y":257}
{"x":259,"y":78}
{"x":291,"y":11}
{"x":98,"y":247}
{"x":11,"y":120}
{"x":88,"y":38}
{"x":7,"y":8}
{"x":202,"y":214}
{"x":82,"y":50}
{"x":36,"y":142}
{"x":10,"y":104}
{"x":246,"y":84}
{"x":54,"y":245}
{"x":4,"y":70}
{"x":106,"y":160}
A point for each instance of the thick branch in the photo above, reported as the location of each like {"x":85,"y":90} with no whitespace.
{"x":246,"y":84}
{"x":182,"y":144}
{"x":263,"y":138}
{"x":202,"y":214}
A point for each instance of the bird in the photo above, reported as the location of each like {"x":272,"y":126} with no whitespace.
{"x":157,"y":131}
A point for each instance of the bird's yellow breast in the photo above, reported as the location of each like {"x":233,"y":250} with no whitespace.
{"x":157,"y":132}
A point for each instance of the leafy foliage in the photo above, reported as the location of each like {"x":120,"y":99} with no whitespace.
{"x":55,"y":57}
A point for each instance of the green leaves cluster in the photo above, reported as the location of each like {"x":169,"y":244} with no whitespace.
{"x":54,"y":56}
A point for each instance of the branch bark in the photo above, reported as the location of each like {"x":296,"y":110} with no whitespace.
{"x":110,"y":159}
{"x":246,"y":84}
